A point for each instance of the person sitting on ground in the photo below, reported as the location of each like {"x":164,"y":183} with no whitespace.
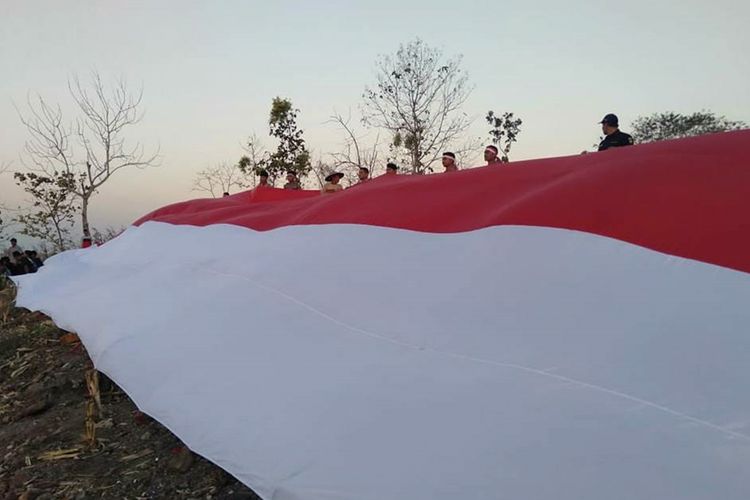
{"x":22,"y":264}
{"x":263,"y":179}
{"x":35,"y":259}
{"x":32,"y":265}
{"x":292,"y":181}
{"x":332,"y":183}
{"x":13,"y":248}
{"x":6,"y":267}
{"x":449,"y":162}
{"x":613,"y":137}
{"x":490,"y":156}
{"x":391,"y":169}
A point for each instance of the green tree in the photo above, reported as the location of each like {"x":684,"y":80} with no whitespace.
{"x":53,"y":208}
{"x":418,"y":98}
{"x":291,"y":153}
{"x":669,"y":125}
{"x":504,"y":131}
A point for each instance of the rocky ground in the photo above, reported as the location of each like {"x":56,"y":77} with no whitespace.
{"x":68,"y":432}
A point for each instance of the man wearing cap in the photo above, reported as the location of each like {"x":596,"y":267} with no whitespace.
{"x":292,"y":181}
{"x":449,"y":162}
{"x":613,"y":137}
{"x":490,"y":155}
{"x":391,"y":169}
{"x":332,"y":183}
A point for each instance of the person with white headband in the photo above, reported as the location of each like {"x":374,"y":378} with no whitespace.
{"x":490,"y":156}
{"x":449,"y":162}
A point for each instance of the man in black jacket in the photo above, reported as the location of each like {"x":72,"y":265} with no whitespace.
{"x":613,"y":136}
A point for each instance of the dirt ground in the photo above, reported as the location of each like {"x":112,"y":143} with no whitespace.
{"x":57,"y":442}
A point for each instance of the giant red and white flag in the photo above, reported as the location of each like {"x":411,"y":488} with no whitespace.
{"x":572,"y":329}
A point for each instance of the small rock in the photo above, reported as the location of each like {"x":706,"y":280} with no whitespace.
{"x":145,"y":436}
{"x":35,"y":389}
{"x":140,"y":418}
{"x":104,"y":424}
{"x":30,"y":494}
{"x":35,"y":408}
{"x":181,"y":461}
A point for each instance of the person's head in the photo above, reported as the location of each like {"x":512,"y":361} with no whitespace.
{"x":449,"y":160}
{"x":291,"y":176}
{"x":33,"y":253}
{"x":28,"y":253}
{"x":263,"y":175}
{"x":225,"y":194}
{"x":13,"y":242}
{"x":610,"y":124}
{"x":391,"y":169}
{"x":335,"y":177}
{"x":17,"y":255}
{"x":490,"y":153}
{"x":363,"y":173}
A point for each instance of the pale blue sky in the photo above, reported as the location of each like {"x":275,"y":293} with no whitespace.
{"x":210,"y":69}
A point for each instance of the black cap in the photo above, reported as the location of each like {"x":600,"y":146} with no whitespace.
{"x":335,"y":174}
{"x":610,"y":119}
{"x":391,"y":166}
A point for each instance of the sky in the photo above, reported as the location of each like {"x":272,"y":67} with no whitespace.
{"x":209,"y":70}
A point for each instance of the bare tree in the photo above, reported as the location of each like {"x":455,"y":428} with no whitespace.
{"x":355,"y":154}
{"x":418,"y":98}
{"x":105,"y":116}
{"x":219,"y":180}
{"x":3,"y":168}
{"x":252,"y":162}
{"x":106,"y":234}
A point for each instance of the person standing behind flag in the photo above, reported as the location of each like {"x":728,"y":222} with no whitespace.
{"x":449,"y":162}
{"x":292,"y":181}
{"x":263,"y":179}
{"x":613,"y":137}
{"x":363,"y":174}
{"x":490,"y":156}
{"x":332,"y":183}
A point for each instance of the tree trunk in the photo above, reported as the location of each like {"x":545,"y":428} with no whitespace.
{"x":60,"y":239}
{"x":85,"y":217}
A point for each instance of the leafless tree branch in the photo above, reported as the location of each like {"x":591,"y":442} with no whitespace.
{"x":105,"y":117}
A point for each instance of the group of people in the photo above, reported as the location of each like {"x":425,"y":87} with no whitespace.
{"x":16,"y":261}
{"x":613,"y":138}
